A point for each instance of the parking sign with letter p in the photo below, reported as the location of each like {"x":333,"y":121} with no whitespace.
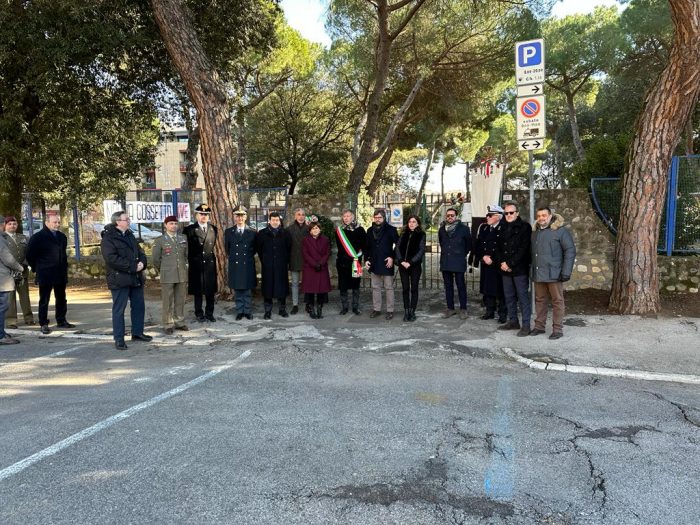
{"x":529,"y":62}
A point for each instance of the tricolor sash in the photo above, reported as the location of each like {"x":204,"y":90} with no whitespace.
{"x":356,"y":266}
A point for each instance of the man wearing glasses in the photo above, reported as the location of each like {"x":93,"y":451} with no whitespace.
{"x":125,"y":263}
{"x":455,"y":245}
{"x":513,"y":252}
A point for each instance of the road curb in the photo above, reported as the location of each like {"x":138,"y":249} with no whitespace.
{"x":603,"y":371}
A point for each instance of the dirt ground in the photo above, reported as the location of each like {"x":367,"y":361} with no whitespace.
{"x":579,"y":302}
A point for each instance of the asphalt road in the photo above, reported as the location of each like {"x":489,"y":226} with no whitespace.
{"x":343,"y":421}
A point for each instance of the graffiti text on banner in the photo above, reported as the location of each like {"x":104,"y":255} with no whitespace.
{"x":147,"y":212}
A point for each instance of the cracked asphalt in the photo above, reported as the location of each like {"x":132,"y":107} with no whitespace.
{"x":342,"y":420}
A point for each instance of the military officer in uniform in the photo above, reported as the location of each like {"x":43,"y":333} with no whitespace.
{"x":17,"y":243}
{"x":239,"y":242}
{"x":485,"y":248}
{"x":201,"y":240}
{"x":170,"y":257}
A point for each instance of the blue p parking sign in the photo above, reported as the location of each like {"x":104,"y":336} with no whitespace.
{"x":530,"y":54}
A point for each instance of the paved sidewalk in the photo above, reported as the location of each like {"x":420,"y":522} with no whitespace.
{"x":664,"y":345}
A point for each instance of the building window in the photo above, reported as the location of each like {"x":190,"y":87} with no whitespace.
{"x":149,"y":179}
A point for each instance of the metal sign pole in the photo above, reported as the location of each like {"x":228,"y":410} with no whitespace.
{"x":531,"y":178}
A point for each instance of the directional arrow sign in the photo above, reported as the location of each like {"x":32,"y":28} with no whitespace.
{"x":529,"y":62}
{"x":529,"y":90}
{"x":525,"y":145}
{"x":529,"y":118}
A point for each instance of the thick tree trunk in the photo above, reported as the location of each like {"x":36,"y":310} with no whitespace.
{"x":690,"y":135}
{"x":207,"y":93}
{"x":241,"y":149}
{"x":426,"y":175}
{"x":378,"y":176}
{"x":635,"y":287}
{"x":574,"y":125}
{"x":189,"y":180}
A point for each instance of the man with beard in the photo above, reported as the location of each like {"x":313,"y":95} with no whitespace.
{"x":380,"y":252}
{"x":455,"y":245}
{"x":297,"y":231}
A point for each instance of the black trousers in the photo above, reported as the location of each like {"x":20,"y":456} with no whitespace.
{"x":409,"y":284}
{"x":198,"y":305}
{"x":59,"y":292}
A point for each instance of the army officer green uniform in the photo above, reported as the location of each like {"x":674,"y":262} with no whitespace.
{"x":17,"y":243}
{"x":170,"y":257}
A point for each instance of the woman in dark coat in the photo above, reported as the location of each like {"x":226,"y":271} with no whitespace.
{"x":409,"y":257}
{"x":316,"y":281}
{"x":273,"y":246}
{"x":345,"y":261}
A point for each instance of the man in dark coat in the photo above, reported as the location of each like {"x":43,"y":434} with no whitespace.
{"x":455,"y":245}
{"x":513,"y":254}
{"x":553,"y":255}
{"x":46,"y":254}
{"x":201,"y":241}
{"x":239,"y":242}
{"x":273,"y":245}
{"x":490,"y":282}
{"x":125,"y":262}
{"x":351,"y":239}
{"x":17,"y":243}
{"x":379,"y":260}
{"x":297,"y":231}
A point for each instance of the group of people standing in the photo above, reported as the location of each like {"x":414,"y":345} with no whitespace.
{"x":45,"y":253}
{"x":510,"y":253}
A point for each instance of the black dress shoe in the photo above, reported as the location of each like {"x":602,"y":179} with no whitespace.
{"x":374,"y":314}
{"x":536,"y":331}
{"x":45,"y":329}
{"x":31,"y":322}
{"x":343,"y":310}
{"x":488,"y":316}
{"x":295,"y":309}
{"x":248,"y":316}
{"x":556,"y":335}
{"x":120,"y":345}
{"x":65,"y":324}
{"x":211,"y":318}
{"x":201,"y":318}
{"x":169,"y":330}
{"x":142,"y":337}
{"x":239,"y":317}
{"x":183,"y":328}
{"x":12,"y":326}
{"x":268,"y":315}
{"x":283,"y":313}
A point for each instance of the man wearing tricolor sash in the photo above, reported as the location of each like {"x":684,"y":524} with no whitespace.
{"x":350,"y":238}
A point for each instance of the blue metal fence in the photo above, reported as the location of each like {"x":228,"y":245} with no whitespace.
{"x":680,"y":224}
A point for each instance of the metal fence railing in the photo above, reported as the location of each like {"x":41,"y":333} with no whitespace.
{"x":680,"y":223}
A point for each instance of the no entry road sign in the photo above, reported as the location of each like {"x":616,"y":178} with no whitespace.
{"x":530,"y":118}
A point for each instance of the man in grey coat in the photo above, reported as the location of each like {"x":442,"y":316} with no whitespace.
{"x":170,"y":257}
{"x":9,"y":269}
{"x":553,"y":255}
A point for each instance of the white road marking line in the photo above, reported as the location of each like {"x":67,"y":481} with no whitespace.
{"x":603,"y":371}
{"x":110,"y":421}
{"x":42,"y":357}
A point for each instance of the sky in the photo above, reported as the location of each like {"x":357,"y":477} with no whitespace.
{"x":308,"y":16}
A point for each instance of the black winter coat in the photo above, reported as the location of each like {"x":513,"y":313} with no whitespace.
{"x":358,"y":239}
{"x":274,"y":250}
{"x":241,"y":258}
{"x":381,"y":245}
{"x":411,"y":247}
{"x":454,"y":248}
{"x":513,"y":247}
{"x":47,"y":257}
{"x":487,"y":244}
{"x":122,"y":253}
{"x":202,"y":259}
